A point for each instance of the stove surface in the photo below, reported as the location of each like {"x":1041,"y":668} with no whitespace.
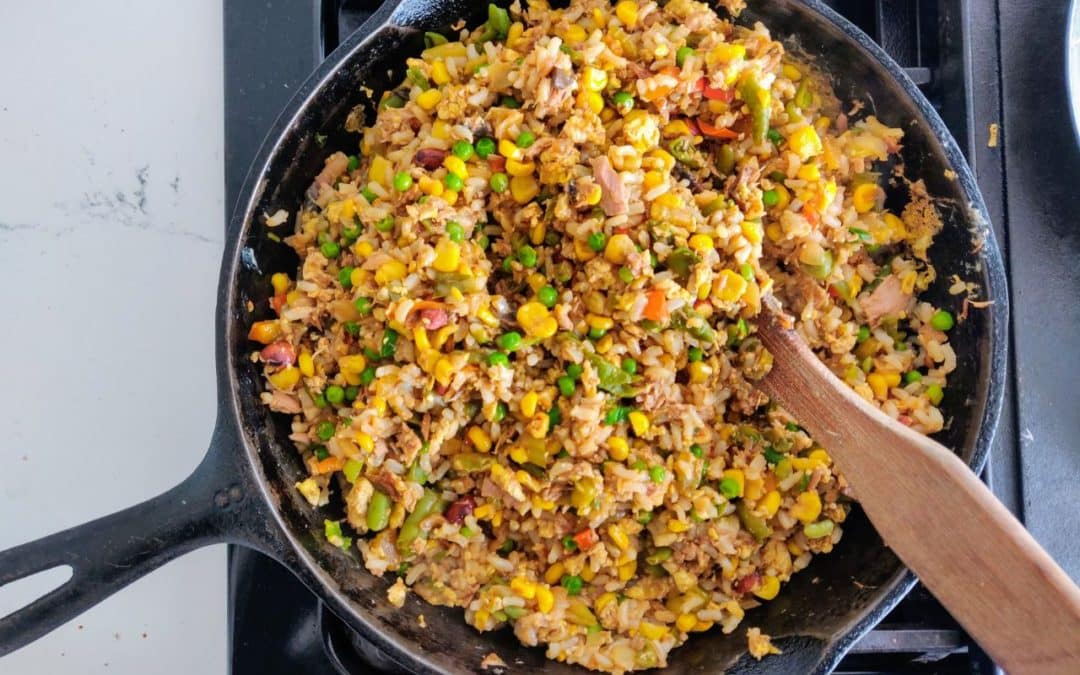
{"x":954,"y":50}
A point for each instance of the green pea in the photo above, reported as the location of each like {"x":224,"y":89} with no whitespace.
{"x":682,"y":54}
{"x":378,"y":511}
{"x":402,"y":181}
{"x":694,"y":354}
{"x":935,"y":393}
{"x":554,"y":416}
{"x":363,"y":305}
{"x":912,"y":376}
{"x":320,"y":400}
{"x":463,"y":150}
{"x":863,"y":335}
{"x":350,"y":234}
{"x":574,"y":370}
{"x":509,"y":341}
{"x":525,"y":139}
{"x":510,"y":102}
{"x":354,"y":163}
{"x":325,"y":430}
{"x":351,"y":392}
{"x":942,"y":320}
{"x":500,"y":412}
{"x":729,"y":487}
{"x":645,"y":517}
{"x":370,"y":196}
{"x":597,"y":333}
{"x":455,"y":231}
{"x":498,"y":359}
{"x":330,"y":249}
{"x":508,"y":265}
{"x":623,"y":100}
{"x":566,"y":385}
{"x":453,"y":182}
{"x":697,"y":451}
{"x":770,"y":198}
{"x":499,"y":182}
{"x":335,"y":394}
{"x":548,"y":296}
{"x":485,"y":147}
{"x":483,"y":242}
{"x":657,"y":474}
{"x":321,"y":452}
{"x":629,"y":365}
{"x":639,"y":465}
{"x":345,"y":277}
{"x":527,"y":256}
{"x":774,"y":136}
{"x":386,"y":224}
{"x":597,"y":240}
{"x":572,"y":583}
{"x":625,"y":275}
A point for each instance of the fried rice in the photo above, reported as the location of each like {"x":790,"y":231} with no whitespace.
{"x":520,"y":345}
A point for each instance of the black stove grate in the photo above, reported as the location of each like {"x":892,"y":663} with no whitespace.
{"x":270,"y":50}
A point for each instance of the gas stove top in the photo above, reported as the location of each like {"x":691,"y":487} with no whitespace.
{"x":953,"y":49}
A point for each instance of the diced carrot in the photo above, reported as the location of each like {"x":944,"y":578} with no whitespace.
{"x":655,"y":306}
{"x":712,"y":93}
{"x":716,"y":132}
{"x":264,"y":331}
{"x":586,"y":539}
{"x":810,"y":214}
{"x":329,"y":465}
{"x":277,"y":302}
{"x":497,"y":163}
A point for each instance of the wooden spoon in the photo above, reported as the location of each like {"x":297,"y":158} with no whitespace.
{"x":938,"y":517}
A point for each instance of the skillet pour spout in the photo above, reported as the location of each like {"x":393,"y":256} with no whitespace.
{"x":244,"y":490}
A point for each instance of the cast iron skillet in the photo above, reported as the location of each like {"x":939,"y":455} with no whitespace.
{"x":243,"y":491}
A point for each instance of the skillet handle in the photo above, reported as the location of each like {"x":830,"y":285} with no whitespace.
{"x":211,"y":506}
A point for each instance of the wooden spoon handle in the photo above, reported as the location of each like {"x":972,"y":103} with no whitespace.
{"x":938,"y":517}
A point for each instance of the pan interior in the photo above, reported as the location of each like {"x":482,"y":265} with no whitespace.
{"x":823,"y":606}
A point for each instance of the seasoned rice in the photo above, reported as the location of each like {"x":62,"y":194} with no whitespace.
{"x":520,"y":345}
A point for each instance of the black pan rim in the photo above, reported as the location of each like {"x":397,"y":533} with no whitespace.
{"x":254,"y":185}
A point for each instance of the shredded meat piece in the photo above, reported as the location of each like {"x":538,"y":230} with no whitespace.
{"x":492,"y":660}
{"x":614,"y":200}
{"x":281,"y":401}
{"x":336,"y":164}
{"x":888,"y":299}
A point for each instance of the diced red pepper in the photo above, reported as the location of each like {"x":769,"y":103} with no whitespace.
{"x":712,"y":93}
{"x":497,"y":163}
{"x":716,"y":132}
{"x":277,"y":302}
{"x":586,"y":539}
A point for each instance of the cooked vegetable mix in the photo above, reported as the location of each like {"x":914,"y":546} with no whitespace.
{"x":520,"y":346}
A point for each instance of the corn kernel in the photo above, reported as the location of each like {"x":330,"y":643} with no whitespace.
{"x":442,"y":335}
{"x":509,"y":150}
{"x":353,"y":363}
{"x":307,"y":365}
{"x":737,"y":476}
{"x":809,"y":172}
{"x":878,"y":385}
{"x":699,"y":372}
{"x":899,"y":230}
{"x":768,"y":588}
{"x":554,"y":573}
{"x":524,"y":188}
{"x":545,"y":599}
{"x":604,"y":344}
{"x":286,"y":378}
{"x":440,"y":130}
{"x":456,"y":165}
{"x":591,"y":100}
{"x":450,"y":197}
{"x":378,"y":403}
{"x":588,"y":573}
{"x":686,"y":622}
{"x":805,"y":142}
{"x":702,"y":243}
{"x":380,"y":171}
{"x":430,"y":186}
{"x":618,"y":448}
{"x":755,"y":489}
{"x":484,"y":511}
{"x":618,"y":536}
{"x":794,"y":549}
{"x":518,"y":168}
{"x":774,"y":232}
{"x":444,"y":371}
{"x":729,"y":286}
{"x":365,"y":441}
{"x":751,"y":229}
{"x":807,"y":507}
{"x":626,"y":570}
{"x":652,"y":179}
{"x":599,"y":322}
{"x":485,"y":315}
{"x":439,"y":74}
{"x":480,"y":618}
{"x":519,"y":454}
{"x":864,"y":197}
{"x":447,"y":255}
{"x":639,"y":421}
{"x":512,"y":35}
{"x":678,"y":526}
{"x":594,"y":79}
{"x":536,"y":320}
{"x":574,"y":34}
{"x":523,"y":587}
{"x":480,"y":439}
{"x":528,"y":404}
{"x":821,"y":456}
{"x":627,"y":12}
{"x":363,"y":249}
{"x":429,"y":99}
{"x":725,"y":52}
{"x":618,"y":247}
{"x":280,"y":283}
{"x":652,"y":631}
{"x":582,"y":251}
{"x":770,"y":503}
{"x":392,"y":270}
{"x":604,"y":601}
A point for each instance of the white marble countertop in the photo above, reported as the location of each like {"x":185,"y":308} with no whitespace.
{"x":111,"y":230}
